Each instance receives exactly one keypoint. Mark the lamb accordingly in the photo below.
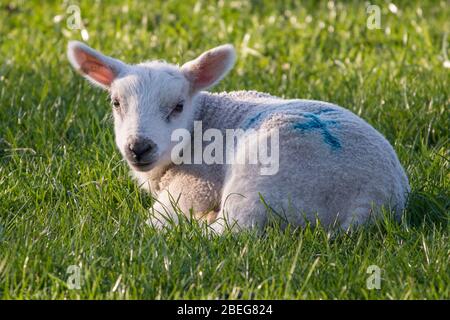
(332, 165)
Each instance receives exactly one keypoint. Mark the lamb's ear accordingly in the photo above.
(210, 67)
(94, 66)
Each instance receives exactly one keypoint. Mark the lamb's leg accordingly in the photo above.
(240, 209)
(163, 211)
(188, 194)
(239, 214)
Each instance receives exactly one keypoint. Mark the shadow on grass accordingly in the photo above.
(425, 209)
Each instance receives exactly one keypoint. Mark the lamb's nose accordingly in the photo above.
(138, 148)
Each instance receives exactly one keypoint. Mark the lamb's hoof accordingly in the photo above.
(217, 227)
(209, 217)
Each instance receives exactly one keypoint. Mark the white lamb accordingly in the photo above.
(332, 166)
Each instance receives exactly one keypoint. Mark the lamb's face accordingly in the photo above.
(149, 101)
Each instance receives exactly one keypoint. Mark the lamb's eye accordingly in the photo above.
(116, 103)
(176, 110)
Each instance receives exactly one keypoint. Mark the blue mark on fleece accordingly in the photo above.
(315, 123)
(250, 122)
(326, 110)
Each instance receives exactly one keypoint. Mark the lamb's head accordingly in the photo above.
(150, 100)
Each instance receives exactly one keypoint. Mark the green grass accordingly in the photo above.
(66, 197)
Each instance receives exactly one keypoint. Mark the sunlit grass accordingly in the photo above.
(66, 198)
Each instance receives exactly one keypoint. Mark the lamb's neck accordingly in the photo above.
(219, 111)
(150, 180)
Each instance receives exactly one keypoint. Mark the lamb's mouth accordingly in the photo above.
(142, 166)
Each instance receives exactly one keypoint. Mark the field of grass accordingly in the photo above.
(66, 198)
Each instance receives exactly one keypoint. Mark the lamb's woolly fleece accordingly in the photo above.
(333, 166)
